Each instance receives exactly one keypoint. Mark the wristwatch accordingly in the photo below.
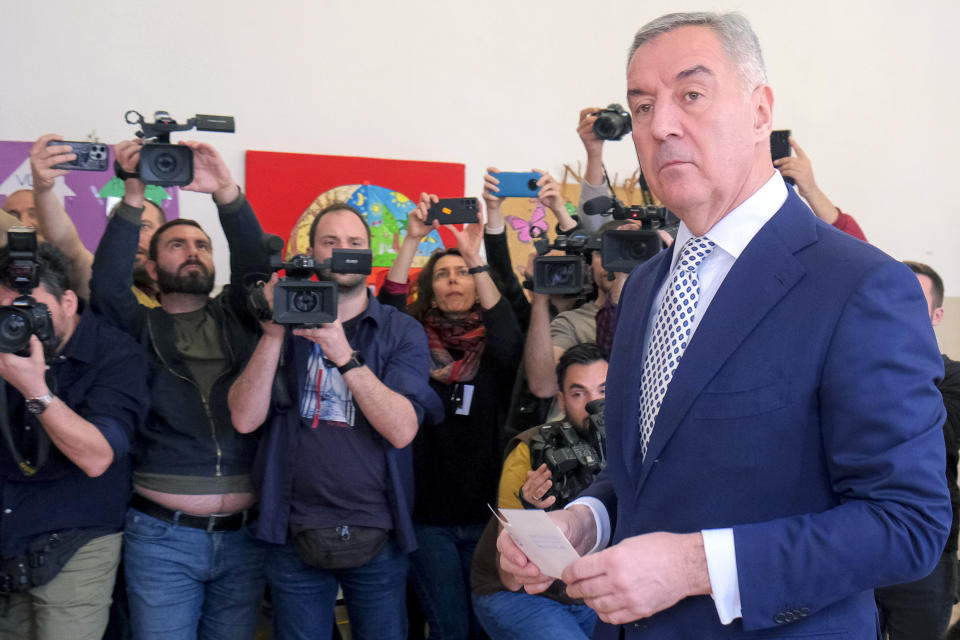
(356, 360)
(39, 404)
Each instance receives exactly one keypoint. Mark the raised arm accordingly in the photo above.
(539, 354)
(249, 396)
(111, 283)
(417, 230)
(54, 223)
(800, 169)
(552, 198)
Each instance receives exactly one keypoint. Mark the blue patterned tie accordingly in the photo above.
(671, 332)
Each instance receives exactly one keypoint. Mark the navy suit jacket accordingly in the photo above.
(805, 416)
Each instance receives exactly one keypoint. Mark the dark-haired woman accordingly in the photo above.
(475, 346)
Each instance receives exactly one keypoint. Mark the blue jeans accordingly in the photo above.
(304, 597)
(441, 576)
(507, 615)
(185, 583)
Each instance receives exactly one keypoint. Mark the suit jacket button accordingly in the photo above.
(805, 611)
(779, 618)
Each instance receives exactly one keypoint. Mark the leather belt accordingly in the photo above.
(229, 522)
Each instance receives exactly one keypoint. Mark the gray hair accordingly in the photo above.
(736, 36)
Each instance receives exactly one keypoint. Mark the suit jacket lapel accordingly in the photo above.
(761, 276)
(625, 368)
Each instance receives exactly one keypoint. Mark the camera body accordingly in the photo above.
(25, 316)
(165, 164)
(573, 460)
(300, 301)
(612, 123)
(564, 275)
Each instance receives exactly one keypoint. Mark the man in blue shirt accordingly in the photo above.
(335, 461)
(70, 410)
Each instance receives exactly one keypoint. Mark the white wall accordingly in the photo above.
(870, 88)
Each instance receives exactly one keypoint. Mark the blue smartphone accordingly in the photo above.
(517, 185)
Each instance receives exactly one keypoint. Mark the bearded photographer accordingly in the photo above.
(525, 482)
(192, 568)
(69, 410)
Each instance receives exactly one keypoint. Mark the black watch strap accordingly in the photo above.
(123, 175)
(479, 269)
(356, 360)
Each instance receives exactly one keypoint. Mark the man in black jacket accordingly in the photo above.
(921, 609)
(192, 568)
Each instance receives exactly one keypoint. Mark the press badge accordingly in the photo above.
(463, 398)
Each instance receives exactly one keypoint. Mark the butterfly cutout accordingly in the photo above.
(528, 230)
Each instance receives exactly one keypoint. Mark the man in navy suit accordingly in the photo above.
(773, 418)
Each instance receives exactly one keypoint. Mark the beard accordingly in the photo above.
(346, 282)
(194, 282)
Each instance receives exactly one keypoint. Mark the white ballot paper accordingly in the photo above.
(539, 538)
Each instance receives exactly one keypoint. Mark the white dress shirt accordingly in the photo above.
(731, 234)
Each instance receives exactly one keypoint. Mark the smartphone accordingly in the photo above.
(780, 147)
(91, 156)
(453, 211)
(517, 185)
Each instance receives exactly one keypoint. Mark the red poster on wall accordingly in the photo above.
(288, 189)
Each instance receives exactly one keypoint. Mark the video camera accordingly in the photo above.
(26, 316)
(621, 250)
(298, 300)
(573, 460)
(165, 164)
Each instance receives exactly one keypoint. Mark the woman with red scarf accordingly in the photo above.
(475, 347)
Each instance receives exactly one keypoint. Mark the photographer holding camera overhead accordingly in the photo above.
(191, 566)
(72, 393)
(335, 467)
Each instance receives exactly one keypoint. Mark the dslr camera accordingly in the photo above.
(25, 317)
(165, 164)
(298, 300)
(612, 123)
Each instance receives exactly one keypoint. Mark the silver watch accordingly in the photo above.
(39, 404)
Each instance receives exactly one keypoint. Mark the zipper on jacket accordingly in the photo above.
(203, 400)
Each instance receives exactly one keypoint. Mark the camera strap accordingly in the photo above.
(43, 440)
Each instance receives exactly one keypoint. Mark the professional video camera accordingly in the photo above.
(573, 460)
(165, 164)
(612, 123)
(297, 300)
(621, 250)
(26, 316)
(564, 275)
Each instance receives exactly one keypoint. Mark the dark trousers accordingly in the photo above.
(920, 610)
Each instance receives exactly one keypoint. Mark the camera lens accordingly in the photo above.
(165, 164)
(305, 301)
(14, 331)
(636, 250)
(562, 276)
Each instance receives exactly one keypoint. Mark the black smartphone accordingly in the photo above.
(91, 156)
(453, 211)
(780, 147)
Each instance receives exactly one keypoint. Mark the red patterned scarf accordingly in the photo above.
(467, 335)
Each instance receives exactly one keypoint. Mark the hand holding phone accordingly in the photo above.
(780, 148)
(91, 156)
(453, 211)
